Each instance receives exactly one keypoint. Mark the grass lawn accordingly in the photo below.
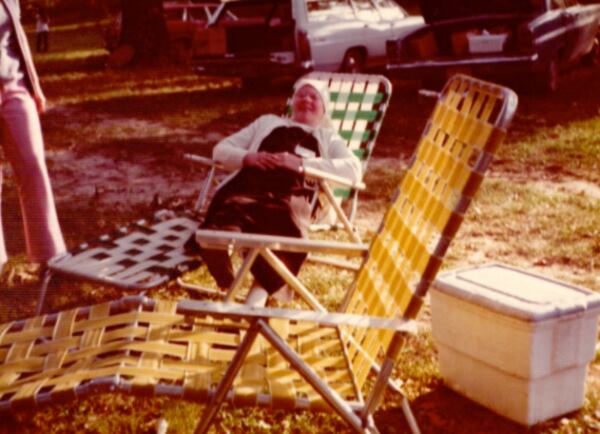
(115, 144)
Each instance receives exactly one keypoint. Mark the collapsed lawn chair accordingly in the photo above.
(149, 253)
(291, 359)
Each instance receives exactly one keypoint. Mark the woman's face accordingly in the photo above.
(307, 106)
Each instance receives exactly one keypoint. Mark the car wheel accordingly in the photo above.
(549, 78)
(354, 62)
(181, 52)
(593, 57)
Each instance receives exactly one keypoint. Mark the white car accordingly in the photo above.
(278, 37)
(350, 35)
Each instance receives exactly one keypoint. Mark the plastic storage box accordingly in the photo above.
(486, 43)
(515, 342)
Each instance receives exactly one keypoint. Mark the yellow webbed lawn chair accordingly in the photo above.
(292, 359)
(462, 117)
(149, 252)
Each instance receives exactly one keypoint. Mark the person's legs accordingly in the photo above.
(224, 214)
(277, 218)
(219, 265)
(46, 41)
(218, 261)
(24, 149)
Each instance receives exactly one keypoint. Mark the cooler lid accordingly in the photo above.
(516, 292)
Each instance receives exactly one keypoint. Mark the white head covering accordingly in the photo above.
(321, 88)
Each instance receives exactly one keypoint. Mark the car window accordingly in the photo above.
(258, 12)
(319, 10)
(365, 10)
(389, 10)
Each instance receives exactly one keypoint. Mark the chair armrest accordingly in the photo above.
(310, 172)
(203, 160)
(326, 176)
(241, 311)
(223, 239)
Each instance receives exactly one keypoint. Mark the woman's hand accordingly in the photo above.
(261, 160)
(267, 160)
(290, 162)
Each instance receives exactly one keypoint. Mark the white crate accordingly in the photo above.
(486, 43)
(513, 341)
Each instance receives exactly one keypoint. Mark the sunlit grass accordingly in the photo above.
(70, 55)
(529, 227)
(571, 149)
(113, 84)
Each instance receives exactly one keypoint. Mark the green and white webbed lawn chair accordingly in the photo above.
(210, 352)
(358, 106)
(149, 252)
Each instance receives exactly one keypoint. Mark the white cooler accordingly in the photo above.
(515, 342)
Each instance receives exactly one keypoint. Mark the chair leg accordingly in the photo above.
(346, 224)
(225, 384)
(382, 382)
(410, 417)
(333, 399)
(43, 289)
(371, 427)
(241, 274)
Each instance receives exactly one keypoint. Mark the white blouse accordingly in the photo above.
(335, 157)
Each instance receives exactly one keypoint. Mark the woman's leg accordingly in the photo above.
(279, 218)
(46, 40)
(24, 148)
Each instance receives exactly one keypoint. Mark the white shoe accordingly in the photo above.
(284, 295)
(257, 297)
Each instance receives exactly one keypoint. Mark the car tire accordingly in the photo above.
(593, 57)
(181, 52)
(354, 61)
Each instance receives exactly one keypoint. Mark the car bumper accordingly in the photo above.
(490, 67)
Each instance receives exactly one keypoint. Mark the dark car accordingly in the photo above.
(529, 40)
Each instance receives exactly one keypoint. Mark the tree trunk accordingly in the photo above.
(144, 30)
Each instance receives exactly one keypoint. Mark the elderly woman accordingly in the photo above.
(268, 193)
